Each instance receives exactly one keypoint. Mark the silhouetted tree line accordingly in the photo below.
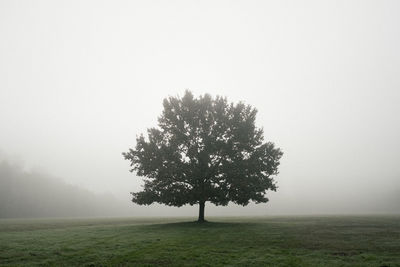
(35, 194)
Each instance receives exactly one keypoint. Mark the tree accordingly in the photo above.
(204, 149)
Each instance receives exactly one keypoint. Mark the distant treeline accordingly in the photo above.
(35, 194)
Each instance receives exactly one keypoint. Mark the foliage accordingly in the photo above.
(204, 149)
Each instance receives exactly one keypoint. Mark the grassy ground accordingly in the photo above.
(262, 241)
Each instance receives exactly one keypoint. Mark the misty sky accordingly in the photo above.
(80, 79)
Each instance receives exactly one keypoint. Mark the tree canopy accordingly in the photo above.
(204, 149)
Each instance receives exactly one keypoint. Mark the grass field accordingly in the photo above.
(244, 241)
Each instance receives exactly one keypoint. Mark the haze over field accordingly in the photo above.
(79, 80)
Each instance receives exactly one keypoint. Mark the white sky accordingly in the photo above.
(80, 79)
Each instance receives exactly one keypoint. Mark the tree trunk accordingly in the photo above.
(202, 205)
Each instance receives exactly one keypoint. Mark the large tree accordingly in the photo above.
(204, 149)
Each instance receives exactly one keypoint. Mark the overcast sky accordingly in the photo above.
(80, 79)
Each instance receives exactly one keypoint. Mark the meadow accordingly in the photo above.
(232, 241)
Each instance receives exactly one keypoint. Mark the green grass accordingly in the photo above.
(242, 241)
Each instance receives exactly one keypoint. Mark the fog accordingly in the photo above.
(36, 194)
(80, 79)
